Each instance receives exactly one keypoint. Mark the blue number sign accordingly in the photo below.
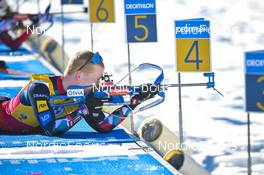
(141, 21)
(254, 81)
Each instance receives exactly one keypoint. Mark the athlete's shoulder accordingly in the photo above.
(44, 77)
(54, 82)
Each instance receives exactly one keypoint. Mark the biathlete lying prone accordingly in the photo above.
(31, 112)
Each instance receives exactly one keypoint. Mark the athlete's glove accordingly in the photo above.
(94, 105)
(148, 91)
(39, 19)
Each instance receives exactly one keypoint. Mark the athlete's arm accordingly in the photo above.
(104, 122)
(39, 95)
(65, 123)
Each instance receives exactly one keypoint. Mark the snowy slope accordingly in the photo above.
(214, 127)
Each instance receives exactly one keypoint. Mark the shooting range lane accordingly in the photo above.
(4, 50)
(79, 151)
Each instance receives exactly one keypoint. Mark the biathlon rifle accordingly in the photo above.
(16, 21)
(15, 17)
(114, 94)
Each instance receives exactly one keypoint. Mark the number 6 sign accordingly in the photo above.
(102, 11)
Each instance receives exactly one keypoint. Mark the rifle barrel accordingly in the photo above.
(185, 85)
(59, 13)
(162, 86)
(73, 12)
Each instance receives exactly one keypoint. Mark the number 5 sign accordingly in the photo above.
(102, 11)
(193, 45)
(141, 21)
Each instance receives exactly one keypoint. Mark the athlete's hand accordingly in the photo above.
(94, 104)
(34, 19)
(147, 91)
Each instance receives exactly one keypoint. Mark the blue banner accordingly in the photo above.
(140, 6)
(71, 2)
(254, 62)
(192, 28)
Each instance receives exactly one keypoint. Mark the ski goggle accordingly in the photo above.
(96, 59)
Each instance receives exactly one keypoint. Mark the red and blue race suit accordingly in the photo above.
(30, 111)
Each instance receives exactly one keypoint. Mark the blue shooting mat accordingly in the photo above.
(4, 50)
(4, 76)
(139, 164)
(30, 66)
(80, 134)
(71, 138)
(9, 91)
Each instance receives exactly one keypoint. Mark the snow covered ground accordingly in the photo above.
(215, 127)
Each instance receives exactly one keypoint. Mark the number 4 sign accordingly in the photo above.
(102, 11)
(193, 45)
